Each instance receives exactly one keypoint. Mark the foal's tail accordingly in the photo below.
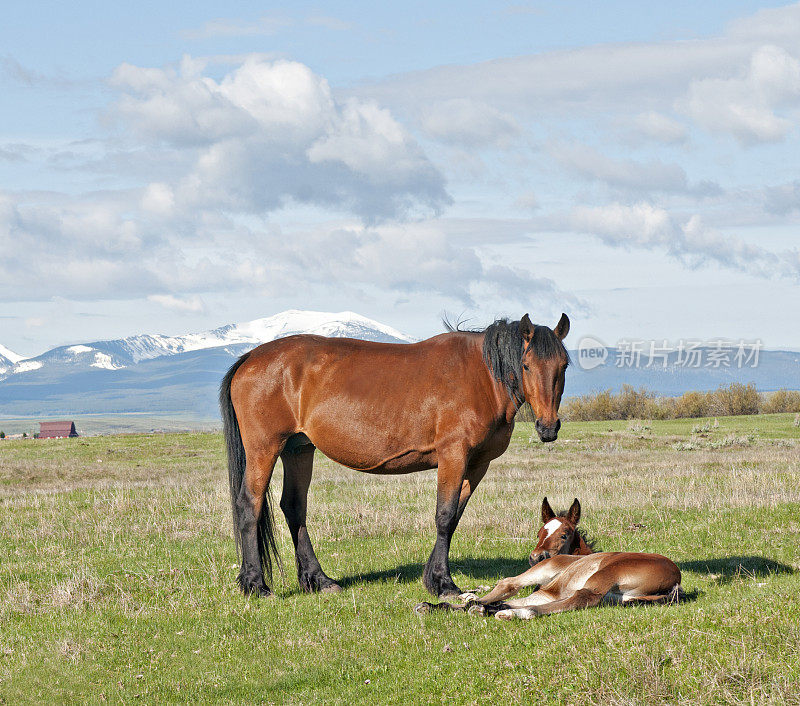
(237, 463)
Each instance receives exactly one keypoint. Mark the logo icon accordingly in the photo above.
(591, 353)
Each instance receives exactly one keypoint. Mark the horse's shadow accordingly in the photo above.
(476, 569)
(725, 569)
(484, 569)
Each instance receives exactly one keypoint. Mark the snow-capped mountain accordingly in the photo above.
(9, 355)
(124, 352)
(180, 375)
(7, 359)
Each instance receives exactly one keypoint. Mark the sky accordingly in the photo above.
(165, 168)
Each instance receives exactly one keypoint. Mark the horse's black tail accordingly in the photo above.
(237, 463)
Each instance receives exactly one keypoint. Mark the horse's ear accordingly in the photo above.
(547, 512)
(526, 329)
(574, 514)
(562, 327)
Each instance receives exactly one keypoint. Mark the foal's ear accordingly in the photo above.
(574, 514)
(562, 327)
(526, 328)
(547, 512)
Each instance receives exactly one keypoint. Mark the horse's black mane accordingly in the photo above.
(502, 350)
(580, 532)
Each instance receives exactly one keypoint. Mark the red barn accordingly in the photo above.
(56, 430)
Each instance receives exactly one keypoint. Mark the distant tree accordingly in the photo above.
(2, 434)
(24, 434)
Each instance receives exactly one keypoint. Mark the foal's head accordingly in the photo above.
(559, 534)
(544, 362)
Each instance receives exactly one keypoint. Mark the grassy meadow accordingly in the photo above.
(117, 575)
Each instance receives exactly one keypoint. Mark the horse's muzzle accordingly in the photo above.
(548, 433)
(534, 559)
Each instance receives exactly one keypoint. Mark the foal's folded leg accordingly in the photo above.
(539, 575)
(584, 598)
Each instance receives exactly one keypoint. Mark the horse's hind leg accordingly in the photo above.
(297, 468)
(255, 519)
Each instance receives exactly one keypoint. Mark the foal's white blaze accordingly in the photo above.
(552, 526)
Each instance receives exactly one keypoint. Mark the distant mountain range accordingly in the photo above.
(160, 374)
(156, 373)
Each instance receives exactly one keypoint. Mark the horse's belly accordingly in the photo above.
(370, 460)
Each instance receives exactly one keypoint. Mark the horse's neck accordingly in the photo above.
(505, 406)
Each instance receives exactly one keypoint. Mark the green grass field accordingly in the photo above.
(117, 570)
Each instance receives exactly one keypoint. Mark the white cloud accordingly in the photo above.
(188, 305)
(687, 239)
(709, 79)
(660, 127)
(746, 105)
(469, 123)
(103, 254)
(652, 176)
(782, 199)
(271, 132)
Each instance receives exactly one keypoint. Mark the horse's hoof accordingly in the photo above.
(332, 587)
(451, 594)
(476, 609)
(254, 587)
(258, 592)
(505, 615)
(423, 608)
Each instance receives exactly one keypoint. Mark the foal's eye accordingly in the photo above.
(525, 365)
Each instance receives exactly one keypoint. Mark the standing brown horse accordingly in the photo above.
(446, 402)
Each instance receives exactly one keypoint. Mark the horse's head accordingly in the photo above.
(559, 534)
(544, 362)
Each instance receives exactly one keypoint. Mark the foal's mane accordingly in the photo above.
(579, 531)
(502, 350)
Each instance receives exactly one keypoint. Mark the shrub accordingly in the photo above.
(587, 408)
(781, 401)
(635, 404)
(735, 399)
(691, 404)
(630, 403)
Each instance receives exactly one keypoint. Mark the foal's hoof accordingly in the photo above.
(505, 615)
(467, 597)
(423, 608)
(476, 609)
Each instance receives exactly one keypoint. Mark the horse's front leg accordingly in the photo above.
(451, 479)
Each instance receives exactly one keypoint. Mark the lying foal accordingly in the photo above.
(571, 576)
